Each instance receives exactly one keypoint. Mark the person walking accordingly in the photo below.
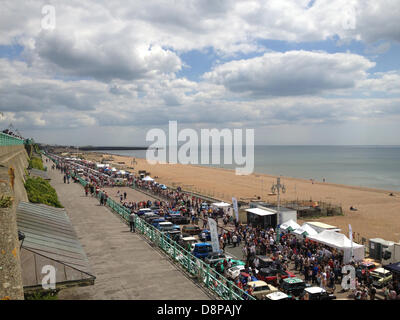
(132, 221)
(65, 178)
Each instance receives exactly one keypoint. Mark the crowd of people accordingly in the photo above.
(317, 264)
(10, 133)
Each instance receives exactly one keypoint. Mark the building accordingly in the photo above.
(285, 214)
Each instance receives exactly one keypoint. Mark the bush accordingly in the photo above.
(36, 163)
(40, 191)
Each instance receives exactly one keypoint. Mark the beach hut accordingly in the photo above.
(289, 226)
(339, 241)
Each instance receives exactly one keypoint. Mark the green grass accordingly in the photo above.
(41, 296)
(5, 201)
(40, 191)
(36, 163)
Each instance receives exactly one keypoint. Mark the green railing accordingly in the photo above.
(7, 140)
(199, 270)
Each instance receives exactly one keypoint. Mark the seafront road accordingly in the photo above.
(125, 265)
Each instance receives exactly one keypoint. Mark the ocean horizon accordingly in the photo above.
(372, 166)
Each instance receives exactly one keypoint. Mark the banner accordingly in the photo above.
(351, 239)
(235, 208)
(214, 234)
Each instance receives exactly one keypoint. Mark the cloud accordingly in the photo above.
(291, 73)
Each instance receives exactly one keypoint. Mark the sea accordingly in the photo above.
(366, 166)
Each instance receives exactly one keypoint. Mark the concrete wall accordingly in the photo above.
(10, 264)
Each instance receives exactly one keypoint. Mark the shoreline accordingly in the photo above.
(256, 174)
(377, 215)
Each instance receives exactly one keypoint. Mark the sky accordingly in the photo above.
(298, 72)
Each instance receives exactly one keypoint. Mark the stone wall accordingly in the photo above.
(14, 157)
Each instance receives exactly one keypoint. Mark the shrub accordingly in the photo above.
(36, 163)
(40, 191)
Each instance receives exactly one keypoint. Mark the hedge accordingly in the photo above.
(36, 163)
(40, 191)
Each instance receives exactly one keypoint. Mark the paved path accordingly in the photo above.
(125, 266)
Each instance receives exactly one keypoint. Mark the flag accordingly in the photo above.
(235, 208)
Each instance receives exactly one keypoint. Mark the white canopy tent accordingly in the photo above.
(306, 230)
(147, 178)
(289, 225)
(341, 242)
(221, 204)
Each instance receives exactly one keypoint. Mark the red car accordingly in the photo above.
(364, 266)
(270, 275)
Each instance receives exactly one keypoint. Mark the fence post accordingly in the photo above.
(208, 276)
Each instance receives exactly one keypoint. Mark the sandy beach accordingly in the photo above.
(378, 214)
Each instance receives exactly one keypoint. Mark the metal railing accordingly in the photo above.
(7, 140)
(202, 272)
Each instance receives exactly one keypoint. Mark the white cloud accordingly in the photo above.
(291, 73)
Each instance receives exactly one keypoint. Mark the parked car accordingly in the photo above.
(177, 219)
(365, 266)
(293, 286)
(234, 263)
(269, 275)
(175, 235)
(164, 226)
(155, 222)
(142, 211)
(381, 277)
(190, 229)
(275, 296)
(261, 289)
(234, 272)
(318, 293)
(265, 261)
(187, 242)
(202, 250)
(216, 256)
(148, 217)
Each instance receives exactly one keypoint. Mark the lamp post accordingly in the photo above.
(278, 187)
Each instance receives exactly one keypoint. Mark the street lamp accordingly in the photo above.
(278, 187)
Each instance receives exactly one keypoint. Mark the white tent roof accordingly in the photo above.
(260, 212)
(305, 228)
(121, 172)
(221, 204)
(148, 178)
(340, 241)
(336, 239)
(289, 223)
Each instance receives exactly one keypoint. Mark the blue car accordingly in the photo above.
(202, 250)
(155, 222)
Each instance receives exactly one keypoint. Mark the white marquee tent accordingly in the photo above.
(289, 225)
(221, 204)
(306, 230)
(341, 242)
(147, 178)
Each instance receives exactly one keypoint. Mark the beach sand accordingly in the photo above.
(378, 214)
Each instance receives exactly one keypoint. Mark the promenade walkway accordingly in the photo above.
(125, 266)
